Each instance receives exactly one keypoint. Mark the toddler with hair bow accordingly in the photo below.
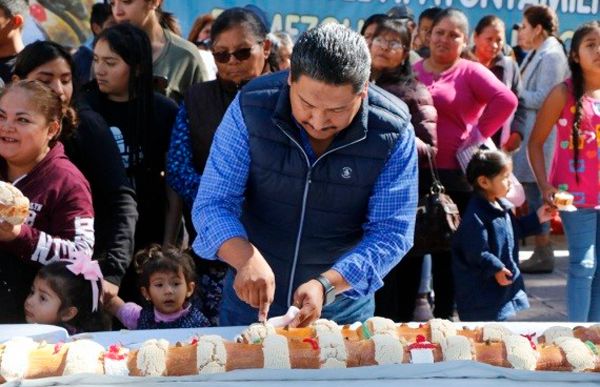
(67, 293)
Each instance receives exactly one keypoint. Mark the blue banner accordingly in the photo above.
(295, 16)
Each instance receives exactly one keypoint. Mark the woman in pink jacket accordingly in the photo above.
(467, 97)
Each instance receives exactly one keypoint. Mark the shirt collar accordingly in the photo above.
(170, 317)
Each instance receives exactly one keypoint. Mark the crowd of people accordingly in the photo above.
(219, 180)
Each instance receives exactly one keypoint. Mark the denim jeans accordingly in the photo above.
(343, 311)
(534, 201)
(582, 228)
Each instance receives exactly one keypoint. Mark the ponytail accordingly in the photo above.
(69, 123)
(168, 21)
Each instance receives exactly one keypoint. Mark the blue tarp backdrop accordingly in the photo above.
(295, 16)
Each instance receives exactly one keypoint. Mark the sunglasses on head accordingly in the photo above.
(241, 54)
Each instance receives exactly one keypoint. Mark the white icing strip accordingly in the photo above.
(117, 367)
(519, 353)
(457, 348)
(553, 333)
(388, 349)
(152, 357)
(579, 355)
(15, 359)
(380, 325)
(256, 333)
(333, 350)
(323, 325)
(495, 332)
(82, 357)
(276, 352)
(441, 329)
(211, 355)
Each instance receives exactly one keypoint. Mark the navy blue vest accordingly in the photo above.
(302, 218)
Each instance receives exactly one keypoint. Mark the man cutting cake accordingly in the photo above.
(310, 189)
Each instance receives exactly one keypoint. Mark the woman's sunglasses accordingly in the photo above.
(241, 54)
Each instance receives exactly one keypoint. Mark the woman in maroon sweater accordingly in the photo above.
(61, 216)
(391, 70)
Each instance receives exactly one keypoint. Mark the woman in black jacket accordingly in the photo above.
(91, 147)
(391, 70)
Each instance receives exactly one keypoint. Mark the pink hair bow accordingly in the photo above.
(90, 270)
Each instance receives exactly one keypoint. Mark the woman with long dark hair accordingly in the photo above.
(139, 118)
(176, 62)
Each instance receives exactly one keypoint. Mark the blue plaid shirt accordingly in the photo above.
(388, 232)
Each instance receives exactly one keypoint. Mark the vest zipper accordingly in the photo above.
(303, 208)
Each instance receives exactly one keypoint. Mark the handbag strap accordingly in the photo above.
(436, 183)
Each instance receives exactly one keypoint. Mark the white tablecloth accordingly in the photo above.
(445, 374)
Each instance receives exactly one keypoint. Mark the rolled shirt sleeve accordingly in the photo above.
(389, 230)
(218, 204)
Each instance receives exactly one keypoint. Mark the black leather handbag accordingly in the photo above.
(437, 218)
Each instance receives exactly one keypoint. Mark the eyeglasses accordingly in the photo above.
(241, 54)
(392, 45)
(203, 43)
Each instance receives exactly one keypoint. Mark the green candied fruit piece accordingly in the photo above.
(366, 331)
(592, 346)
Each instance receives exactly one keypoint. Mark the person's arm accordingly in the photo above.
(173, 213)
(73, 217)
(389, 230)
(182, 176)
(424, 120)
(475, 247)
(102, 166)
(547, 116)
(552, 69)
(516, 126)
(388, 235)
(218, 207)
(498, 100)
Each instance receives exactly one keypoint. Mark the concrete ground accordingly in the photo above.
(547, 292)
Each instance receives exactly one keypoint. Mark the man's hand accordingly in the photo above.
(503, 277)
(255, 284)
(9, 232)
(309, 298)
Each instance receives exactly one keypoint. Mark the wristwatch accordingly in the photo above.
(328, 290)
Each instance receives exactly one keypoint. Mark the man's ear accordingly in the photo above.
(290, 78)
(15, 78)
(18, 21)
(365, 91)
(69, 314)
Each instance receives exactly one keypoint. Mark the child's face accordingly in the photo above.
(588, 53)
(498, 186)
(43, 304)
(168, 291)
